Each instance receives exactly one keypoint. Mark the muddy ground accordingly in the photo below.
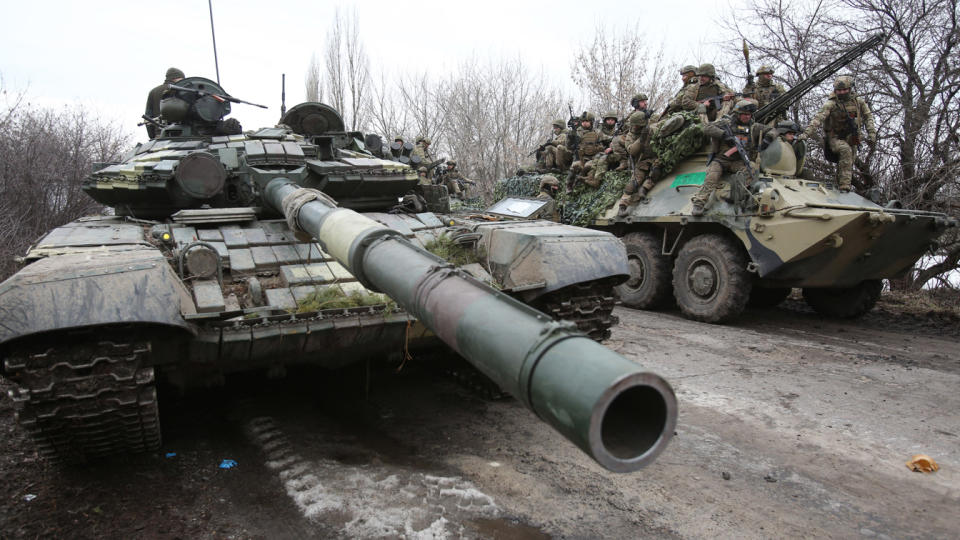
(790, 426)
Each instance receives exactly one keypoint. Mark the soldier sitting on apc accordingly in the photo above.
(725, 156)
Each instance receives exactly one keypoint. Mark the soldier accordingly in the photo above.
(549, 186)
(706, 96)
(615, 155)
(152, 109)
(842, 117)
(765, 90)
(677, 104)
(455, 182)
(590, 146)
(608, 130)
(549, 153)
(422, 151)
(726, 158)
(637, 145)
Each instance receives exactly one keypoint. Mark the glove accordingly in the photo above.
(803, 137)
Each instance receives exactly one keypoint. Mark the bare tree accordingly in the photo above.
(312, 80)
(615, 66)
(348, 69)
(44, 156)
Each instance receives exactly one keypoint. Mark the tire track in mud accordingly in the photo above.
(373, 499)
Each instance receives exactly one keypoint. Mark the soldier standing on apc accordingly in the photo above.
(842, 117)
(152, 109)
(765, 90)
(726, 158)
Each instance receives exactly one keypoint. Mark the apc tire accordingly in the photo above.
(710, 279)
(768, 297)
(845, 302)
(650, 284)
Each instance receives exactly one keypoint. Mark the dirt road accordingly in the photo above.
(790, 426)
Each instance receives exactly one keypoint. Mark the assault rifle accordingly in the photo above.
(718, 100)
(740, 149)
(540, 148)
(573, 144)
(783, 102)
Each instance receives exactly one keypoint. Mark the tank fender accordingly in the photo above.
(549, 257)
(92, 288)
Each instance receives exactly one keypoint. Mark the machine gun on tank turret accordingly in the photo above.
(780, 105)
(218, 97)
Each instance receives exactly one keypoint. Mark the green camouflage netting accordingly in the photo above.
(471, 204)
(527, 185)
(586, 203)
(675, 148)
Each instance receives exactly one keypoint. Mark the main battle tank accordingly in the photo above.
(208, 267)
(765, 234)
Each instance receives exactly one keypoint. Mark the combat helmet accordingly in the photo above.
(688, 68)
(587, 115)
(764, 69)
(706, 69)
(451, 163)
(424, 140)
(559, 124)
(547, 181)
(745, 106)
(611, 114)
(788, 126)
(843, 82)
(635, 100)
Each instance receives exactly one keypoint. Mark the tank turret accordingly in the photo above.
(201, 272)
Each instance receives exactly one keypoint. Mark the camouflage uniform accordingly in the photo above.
(549, 155)
(152, 110)
(452, 179)
(604, 160)
(765, 90)
(842, 117)
(590, 146)
(637, 143)
(422, 151)
(678, 104)
(726, 158)
(549, 185)
(694, 95)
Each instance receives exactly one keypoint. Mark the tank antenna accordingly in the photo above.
(216, 64)
(283, 95)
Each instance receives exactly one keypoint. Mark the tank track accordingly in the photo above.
(85, 399)
(589, 305)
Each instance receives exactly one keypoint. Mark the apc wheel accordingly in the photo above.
(846, 302)
(768, 297)
(710, 279)
(649, 283)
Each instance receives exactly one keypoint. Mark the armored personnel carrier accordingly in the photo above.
(766, 233)
(231, 251)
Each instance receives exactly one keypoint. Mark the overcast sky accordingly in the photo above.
(108, 54)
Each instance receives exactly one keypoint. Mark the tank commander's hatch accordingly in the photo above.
(523, 208)
(309, 119)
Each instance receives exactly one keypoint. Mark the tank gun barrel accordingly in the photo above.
(788, 98)
(619, 415)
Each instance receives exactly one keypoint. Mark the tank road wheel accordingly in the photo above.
(768, 297)
(649, 283)
(710, 279)
(845, 302)
(85, 399)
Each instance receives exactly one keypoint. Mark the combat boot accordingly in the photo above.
(697, 209)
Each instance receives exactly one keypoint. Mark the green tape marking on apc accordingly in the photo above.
(690, 179)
